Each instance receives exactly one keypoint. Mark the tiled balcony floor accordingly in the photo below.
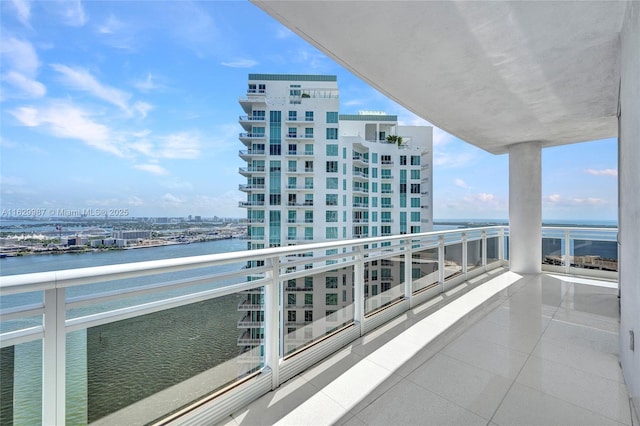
(541, 352)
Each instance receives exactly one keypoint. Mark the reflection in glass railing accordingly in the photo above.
(424, 269)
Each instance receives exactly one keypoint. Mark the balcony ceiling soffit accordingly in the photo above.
(490, 73)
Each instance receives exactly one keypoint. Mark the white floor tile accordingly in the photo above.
(409, 404)
(489, 356)
(472, 388)
(526, 406)
(608, 398)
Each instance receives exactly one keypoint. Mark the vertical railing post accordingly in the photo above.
(358, 287)
(272, 337)
(464, 255)
(501, 244)
(567, 251)
(408, 278)
(53, 358)
(441, 262)
(483, 248)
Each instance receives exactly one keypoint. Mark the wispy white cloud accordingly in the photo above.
(23, 11)
(461, 183)
(152, 168)
(20, 56)
(171, 200)
(282, 32)
(178, 183)
(240, 63)
(482, 197)
(450, 159)
(110, 26)
(142, 108)
(66, 121)
(81, 79)
(354, 102)
(602, 172)
(72, 12)
(21, 63)
(559, 200)
(147, 85)
(183, 145)
(27, 87)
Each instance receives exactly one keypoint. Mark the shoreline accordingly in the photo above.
(84, 250)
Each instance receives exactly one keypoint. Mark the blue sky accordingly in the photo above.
(134, 105)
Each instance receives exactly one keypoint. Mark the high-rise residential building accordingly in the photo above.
(314, 174)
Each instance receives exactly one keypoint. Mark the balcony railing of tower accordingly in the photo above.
(84, 318)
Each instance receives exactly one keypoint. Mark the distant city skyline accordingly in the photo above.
(134, 105)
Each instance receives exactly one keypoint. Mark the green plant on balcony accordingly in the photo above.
(394, 139)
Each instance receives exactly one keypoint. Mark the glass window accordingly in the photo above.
(331, 282)
(293, 115)
(332, 232)
(415, 160)
(332, 133)
(332, 150)
(308, 299)
(291, 299)
(331, 216)
(415, 174)
(308, 132)
(332, 299)
(308, 115)
(415, 216)
(291, 316)
(332, 117)
(415, 188)
(332, 183)
(292, 132)
(415, 202)
(332, 167)
(332, 199)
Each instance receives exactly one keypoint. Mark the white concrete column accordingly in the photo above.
(525, 208)
(629, 202)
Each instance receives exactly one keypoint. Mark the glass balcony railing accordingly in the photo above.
(577, 250)
(136, 343)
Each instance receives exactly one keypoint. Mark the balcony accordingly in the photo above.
(248, 171)
(250, 203)
(251, 187)
(248, 153)
(248, 136)
(464, 340)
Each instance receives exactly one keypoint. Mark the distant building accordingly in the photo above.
(313, 174)
(132, 235)
(108, 242)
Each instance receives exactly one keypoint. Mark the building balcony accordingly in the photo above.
(248, 121)
(249, 188)
(300, 153)
(300, 188)
(248, 136)
(250, 203)
(300, 204)
(248, 171)
(248, 153)
(465, 341)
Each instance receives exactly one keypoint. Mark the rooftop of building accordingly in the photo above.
(292, 77)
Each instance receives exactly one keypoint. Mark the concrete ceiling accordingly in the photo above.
(489, 72)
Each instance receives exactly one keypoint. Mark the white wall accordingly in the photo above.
(629, 200)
